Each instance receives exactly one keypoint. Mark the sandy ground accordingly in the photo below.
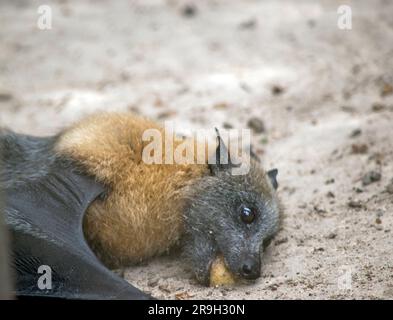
(325, 96)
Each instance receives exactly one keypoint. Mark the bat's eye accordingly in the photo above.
(247, 214)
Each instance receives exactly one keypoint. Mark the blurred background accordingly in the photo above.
(317, 97)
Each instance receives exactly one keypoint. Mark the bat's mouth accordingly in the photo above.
(247, 270)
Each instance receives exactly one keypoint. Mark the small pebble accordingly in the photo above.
(281, 241)
(371, 177)
(166, 114)
(227, 125)
(358, 190)
(356, 133)
(189, 11)
(5, 96)
(256, 124)
(332, 235)
(277, 90)
(355, 204)
(248, 24)
(360, 148)
(329, 181)
(376, 107)
(152, 282)
(164, 288)
(330, 194)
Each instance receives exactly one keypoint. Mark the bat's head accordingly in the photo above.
(232, 215)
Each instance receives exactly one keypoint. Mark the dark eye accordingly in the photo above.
(247, 214)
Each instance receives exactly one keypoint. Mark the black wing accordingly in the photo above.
(45, 217)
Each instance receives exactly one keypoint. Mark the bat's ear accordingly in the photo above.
(272, 174)
(221, 160)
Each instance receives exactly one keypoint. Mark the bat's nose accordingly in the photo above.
(251, 269)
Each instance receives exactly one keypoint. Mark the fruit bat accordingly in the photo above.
(91, 181)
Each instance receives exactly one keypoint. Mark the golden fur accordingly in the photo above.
(142, 214)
